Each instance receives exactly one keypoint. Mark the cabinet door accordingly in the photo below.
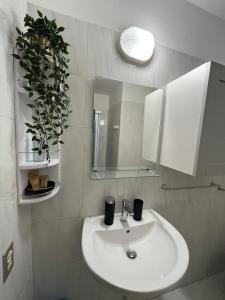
(184, 110)
(152, 125)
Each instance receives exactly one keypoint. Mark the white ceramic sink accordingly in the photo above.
(162, 254)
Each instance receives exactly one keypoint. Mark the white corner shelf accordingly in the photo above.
(38, 199)
(24, 145)
(38, 165)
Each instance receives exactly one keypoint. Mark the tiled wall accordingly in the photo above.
(15, 222)
(58, 267)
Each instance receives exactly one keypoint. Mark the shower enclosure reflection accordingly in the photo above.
(127, 129)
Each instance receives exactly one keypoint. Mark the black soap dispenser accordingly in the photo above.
(138, 208)
(109, 210)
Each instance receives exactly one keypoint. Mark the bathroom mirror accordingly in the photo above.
(127, 122)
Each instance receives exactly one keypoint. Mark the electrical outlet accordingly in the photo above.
(8, 262)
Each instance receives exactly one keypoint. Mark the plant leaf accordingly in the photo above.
(17, 29)
(30, 105)
(40, 14)
(29, 125)
(16, 56)
(61, 29)
(27, 88)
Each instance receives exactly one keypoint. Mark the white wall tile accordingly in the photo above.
(157, 71)
(27, 292)
(47, 210)
(57, 281)
(182, 63)
(52, 241)
(7, 160)
(76, 35)
(89, 103)
(15, 222)
(120, 68)
(57, 224)
(72, 172)
(77, 93)
(93, 199)
(100, 44)
(90, 288)
(32, 9)
(6, 74)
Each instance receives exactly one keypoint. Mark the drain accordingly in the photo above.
(132, 254)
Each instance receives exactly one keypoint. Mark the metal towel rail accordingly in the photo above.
(212, 184)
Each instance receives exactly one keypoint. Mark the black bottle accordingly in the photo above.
(109, 210)
(138, 208)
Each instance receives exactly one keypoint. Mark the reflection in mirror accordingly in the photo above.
(127, 129)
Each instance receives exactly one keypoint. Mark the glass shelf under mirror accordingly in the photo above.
(97, 175)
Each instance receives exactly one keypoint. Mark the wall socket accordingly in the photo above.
(7, 262)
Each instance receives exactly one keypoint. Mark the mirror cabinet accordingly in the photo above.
(181, 126)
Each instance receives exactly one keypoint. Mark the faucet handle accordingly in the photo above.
(125, 210)
(126, 205)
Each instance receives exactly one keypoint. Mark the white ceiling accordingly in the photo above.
(216, 7)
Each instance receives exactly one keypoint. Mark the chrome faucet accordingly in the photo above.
(125, 211)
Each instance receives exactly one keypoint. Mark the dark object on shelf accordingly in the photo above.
(30, 192)
(109, 210)
(138, 208)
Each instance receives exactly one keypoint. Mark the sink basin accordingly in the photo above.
(141, 257)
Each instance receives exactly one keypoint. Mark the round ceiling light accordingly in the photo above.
(137, 44)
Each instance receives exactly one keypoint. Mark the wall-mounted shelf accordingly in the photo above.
(29, 165)
(38, 199)
(24, 146)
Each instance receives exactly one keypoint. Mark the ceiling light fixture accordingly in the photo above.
(137, 44)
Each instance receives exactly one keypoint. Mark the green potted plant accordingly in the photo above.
(42, 54)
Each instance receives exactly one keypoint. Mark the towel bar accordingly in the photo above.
(212, 184)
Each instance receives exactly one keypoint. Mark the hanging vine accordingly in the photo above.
(43, 55)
